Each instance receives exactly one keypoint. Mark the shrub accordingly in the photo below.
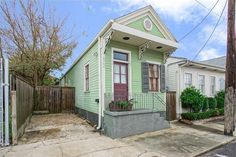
(212, 103)
(220, 99)
(192, 98)
(202, 115)
(205, 105)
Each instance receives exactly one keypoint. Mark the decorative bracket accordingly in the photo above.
(108, 37)
(167, 55)
(142, 49)
(105, 41)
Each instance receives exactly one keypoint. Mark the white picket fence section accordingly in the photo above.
(4, 102)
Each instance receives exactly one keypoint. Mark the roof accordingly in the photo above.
(201, 64)
(109, 24)
(219, 62)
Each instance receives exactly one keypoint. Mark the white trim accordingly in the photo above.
(120, 61)
(141, 34)
(129, 69)
(210, 76)
(85, 78)
(153, 62)
(200, 74)
(191, 79)
(150, 11)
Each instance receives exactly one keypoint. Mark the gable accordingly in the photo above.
(137, 19)
(139, 25)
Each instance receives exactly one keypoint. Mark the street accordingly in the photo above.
(228, 150)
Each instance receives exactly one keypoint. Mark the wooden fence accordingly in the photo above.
(25, 98)
(22, 100)
(54, 99)
(171, 105)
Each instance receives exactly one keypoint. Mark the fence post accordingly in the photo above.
(6, 100)
(14, 116)
(1, 104)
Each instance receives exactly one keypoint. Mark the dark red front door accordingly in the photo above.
(120, 81)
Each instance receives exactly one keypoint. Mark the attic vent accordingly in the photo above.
(147, 23)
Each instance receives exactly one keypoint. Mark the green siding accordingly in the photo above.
(138, 24)
(149, 55)
(75, 77)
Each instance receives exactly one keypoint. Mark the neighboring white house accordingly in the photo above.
(208, 76)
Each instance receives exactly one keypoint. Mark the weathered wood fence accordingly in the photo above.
(54, 99)
(25, 99)
(22, 100)
(171, 105)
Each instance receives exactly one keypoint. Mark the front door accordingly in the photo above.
(120, 81)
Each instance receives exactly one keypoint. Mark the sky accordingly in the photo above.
(85, 18)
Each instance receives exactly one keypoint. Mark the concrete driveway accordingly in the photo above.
(67, 135)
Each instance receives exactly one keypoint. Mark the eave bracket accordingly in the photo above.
(142, 49)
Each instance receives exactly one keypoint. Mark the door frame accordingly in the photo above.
(129, 69)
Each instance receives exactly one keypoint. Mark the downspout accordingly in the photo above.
(101, 46)
(99, 84)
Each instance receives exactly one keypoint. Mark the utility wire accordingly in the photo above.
(183, 37)
(200, 50)
(207, 8)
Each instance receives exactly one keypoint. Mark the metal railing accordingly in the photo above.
(140, 101)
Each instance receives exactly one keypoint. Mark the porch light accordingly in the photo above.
(126, 38)
(159, 47)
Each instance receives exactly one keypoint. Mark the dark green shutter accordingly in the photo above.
(162, 78)
(145, 78)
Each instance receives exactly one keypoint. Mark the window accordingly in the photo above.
(212, 85)
(201, 83)
(86, 72)
(187, 80)
(120, 73)
(120, 56)
(153, 72)
(222, 84)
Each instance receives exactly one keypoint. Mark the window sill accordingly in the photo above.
(153, 91)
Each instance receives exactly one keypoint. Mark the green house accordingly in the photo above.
(122, 70)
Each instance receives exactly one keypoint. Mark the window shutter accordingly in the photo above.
(162, 78)
(145, 78)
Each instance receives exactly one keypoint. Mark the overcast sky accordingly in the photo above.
(87, 17)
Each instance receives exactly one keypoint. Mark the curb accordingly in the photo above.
(217, 146)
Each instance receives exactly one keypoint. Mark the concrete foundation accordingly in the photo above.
(90, 116)
(123, 124)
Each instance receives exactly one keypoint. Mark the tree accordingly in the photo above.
(36, 43)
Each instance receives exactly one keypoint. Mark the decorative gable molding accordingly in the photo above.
(150, 13)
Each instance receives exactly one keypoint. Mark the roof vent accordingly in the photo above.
(147, 23)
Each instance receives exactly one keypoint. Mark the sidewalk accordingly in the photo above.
(178, 141)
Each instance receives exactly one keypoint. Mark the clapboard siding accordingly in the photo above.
(75, 78)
